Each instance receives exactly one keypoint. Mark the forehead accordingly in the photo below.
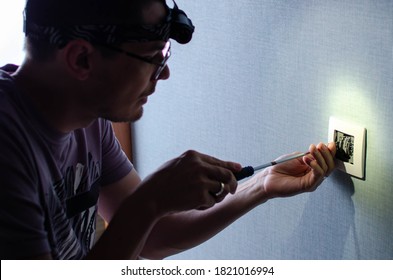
(153, 12)
(145, 47)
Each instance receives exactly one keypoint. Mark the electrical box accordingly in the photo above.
(350, 139)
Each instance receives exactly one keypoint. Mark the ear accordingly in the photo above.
(77, 56)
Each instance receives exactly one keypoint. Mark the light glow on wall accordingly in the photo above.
(353, 99)
(349, 98)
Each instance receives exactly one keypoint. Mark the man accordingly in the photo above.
(89, 62)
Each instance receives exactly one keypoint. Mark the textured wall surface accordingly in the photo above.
(262, 78)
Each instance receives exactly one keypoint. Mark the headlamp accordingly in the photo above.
(181, 26)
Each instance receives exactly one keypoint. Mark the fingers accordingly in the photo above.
(321, 158)
(223, 177)
(215, 170)
(232, 166)
(332, 148)
(215, 177)
(214, 191)
(221, 193)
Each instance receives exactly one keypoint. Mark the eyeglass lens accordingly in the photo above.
(166, 53)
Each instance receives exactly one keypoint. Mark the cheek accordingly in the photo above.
(123, 83)
(130, 92)
(132, 80)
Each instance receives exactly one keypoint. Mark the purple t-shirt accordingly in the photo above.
(50, 181)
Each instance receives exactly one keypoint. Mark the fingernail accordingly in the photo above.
(308, 160)
(237, 166)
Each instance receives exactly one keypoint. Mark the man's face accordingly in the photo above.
(126, 82)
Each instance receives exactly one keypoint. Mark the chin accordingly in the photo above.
(138, 116)
(131, 116)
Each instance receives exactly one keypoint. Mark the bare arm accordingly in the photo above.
(120, 205)
(156, 218)
(179, 232)
(182, 231)
(133, 207)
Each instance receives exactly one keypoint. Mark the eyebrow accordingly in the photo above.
(158, 46)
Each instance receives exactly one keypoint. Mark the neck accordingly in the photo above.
(56, 100)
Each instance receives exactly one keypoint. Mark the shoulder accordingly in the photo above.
(12, 114)
(6, 86)
(6, 80)
(10, 111)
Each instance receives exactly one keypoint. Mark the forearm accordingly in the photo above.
(128, 230)
(182, 231)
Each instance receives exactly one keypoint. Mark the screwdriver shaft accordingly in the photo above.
(280, 161)
(249, 170)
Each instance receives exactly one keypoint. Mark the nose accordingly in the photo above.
(165, 74)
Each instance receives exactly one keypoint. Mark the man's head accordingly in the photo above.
(77, 33)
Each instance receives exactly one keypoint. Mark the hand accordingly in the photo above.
(299, 175)
(191, 182)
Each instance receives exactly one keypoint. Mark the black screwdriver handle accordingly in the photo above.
(244, 173)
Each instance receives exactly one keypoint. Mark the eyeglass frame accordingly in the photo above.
(161, 65)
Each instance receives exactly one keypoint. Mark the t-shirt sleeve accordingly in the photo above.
(115, 164)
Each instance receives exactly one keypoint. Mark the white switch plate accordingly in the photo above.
(350, 141)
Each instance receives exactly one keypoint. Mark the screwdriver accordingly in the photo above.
(249, 170)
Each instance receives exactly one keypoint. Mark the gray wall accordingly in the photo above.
(260, 79)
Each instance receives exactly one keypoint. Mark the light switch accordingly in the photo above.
(350, 139)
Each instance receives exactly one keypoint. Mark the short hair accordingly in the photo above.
(42, 51)
(106, 21)
(101, 22)
(38, 49)
(51, 24)
(85, 12)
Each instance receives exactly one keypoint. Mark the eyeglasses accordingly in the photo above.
(160, 59)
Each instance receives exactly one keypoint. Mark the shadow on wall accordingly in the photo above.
(325, 237)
